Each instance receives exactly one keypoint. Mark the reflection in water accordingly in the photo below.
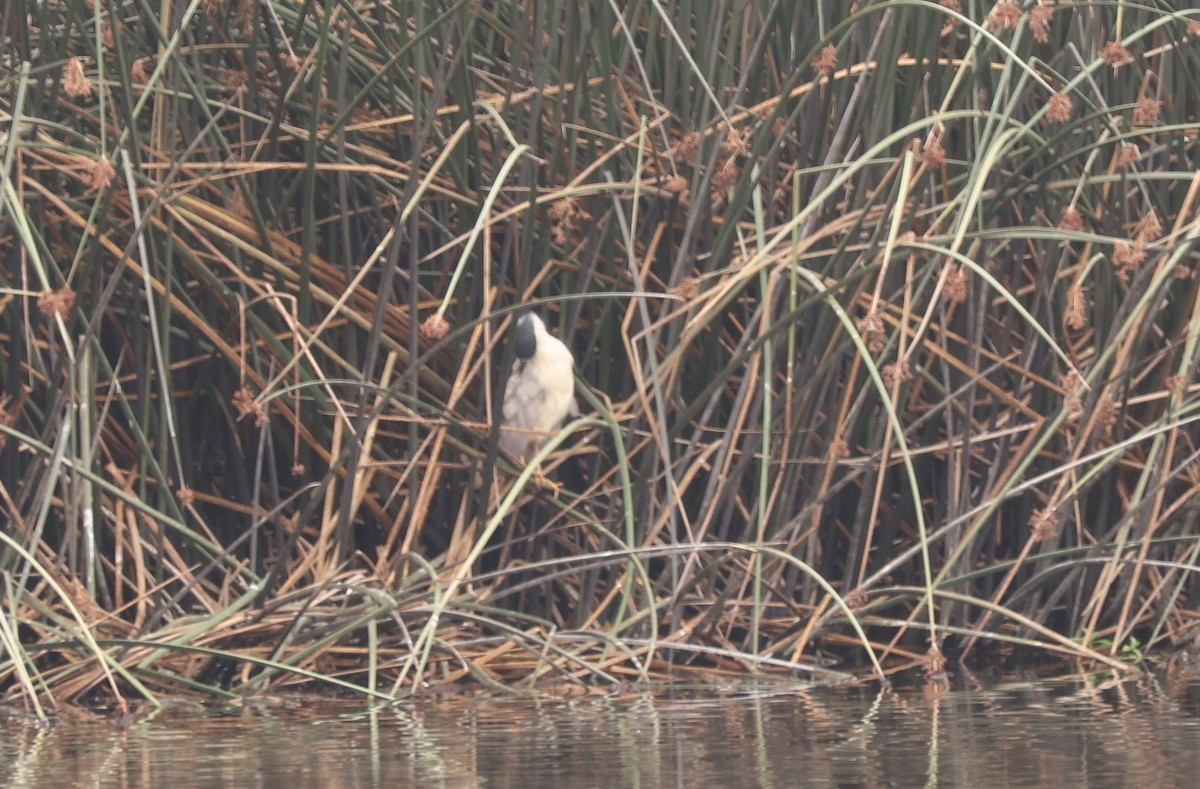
(1016, 733)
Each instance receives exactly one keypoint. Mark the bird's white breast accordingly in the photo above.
(539, 395)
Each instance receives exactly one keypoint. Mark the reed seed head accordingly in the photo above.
(676, 184)
(1071, 219)
(1148, 228)
(75, 82)
(689, 147)
(826, 61)
(57, 303)
(1039, 22)
(1127, 257)
(1042, 523)
(871, 329)
(1076, 317)
(435, 327)
(737, 142)
(933, 154)
(857, 598)
(1106, 414)
(245, 405)
(955, 291)
(1145, 112)
(1115, 54)
(687, 289)
(950, 22)
(1127, 155)
(726, 176)
(100, 173)
(1059, 108)
(1005, 15)
(934, 663)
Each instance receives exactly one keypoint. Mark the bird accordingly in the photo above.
(540, 392)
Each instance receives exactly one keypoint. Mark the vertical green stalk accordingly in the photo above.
(768, 375)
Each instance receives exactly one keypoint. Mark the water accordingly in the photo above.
(1094, 732)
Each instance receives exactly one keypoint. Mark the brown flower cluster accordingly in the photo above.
(934, 663)
(1115, 54)
(677, 184)
(1106, 414)
(1127, 155)
(826, 61)
(726, 170)
(1005, 15)
(737, 142)
(245, 15)
(1042, 524)
(566, 216)
(950, 22)
(1039, 22)
(871, 329)
(857, 597)
(1071, 219)
(435, 327)
(100, 173)
(1145, 112)
(244, 403)
(689, 147)
(1076, 317)
(75, 82)
(1148, 228)
(235, 79)
(237, 203)
(933, 154)
(1059, 109)
(1127, 257)
(687, 289)
(896, 373)
(57, 303)
(955, 291)
(726, 175)
(1070, 385)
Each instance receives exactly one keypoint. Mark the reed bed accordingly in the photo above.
(885, 317)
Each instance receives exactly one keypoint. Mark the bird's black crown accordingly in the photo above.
(526, 343)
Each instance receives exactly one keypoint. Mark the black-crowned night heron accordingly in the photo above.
(540, 393)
